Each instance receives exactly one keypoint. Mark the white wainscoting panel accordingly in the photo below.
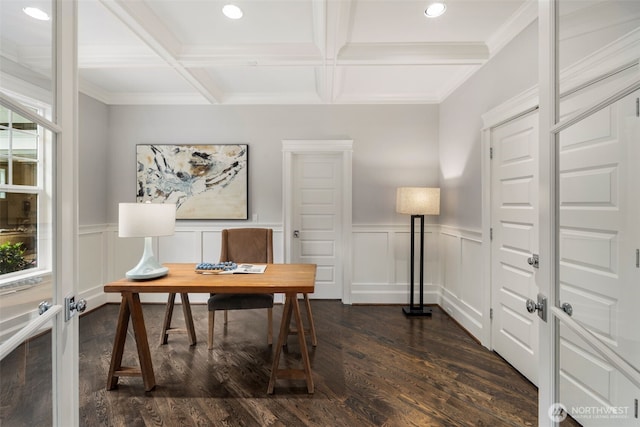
(93, 269)
(211, 246)
(183, 246)
(450, 254)
(463, 287)
(381, 257)
(471, 277)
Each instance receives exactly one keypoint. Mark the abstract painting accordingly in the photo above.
(204, 181)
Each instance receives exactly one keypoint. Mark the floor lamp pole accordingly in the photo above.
(419, 310)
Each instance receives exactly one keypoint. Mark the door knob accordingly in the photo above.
(43, 307)
(532, 306)
(540, 306)
(72, 307)
(566, 307)
(296, 233)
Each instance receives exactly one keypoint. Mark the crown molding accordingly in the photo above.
(520, 20)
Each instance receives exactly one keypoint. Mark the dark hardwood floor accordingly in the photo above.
(372, 367)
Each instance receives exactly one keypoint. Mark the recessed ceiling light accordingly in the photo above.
(36, 13)
(232, 11)
(435, 9)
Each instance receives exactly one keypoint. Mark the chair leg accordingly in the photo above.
(270, 326)
(312, 326)
(226, 318)
(212, 318)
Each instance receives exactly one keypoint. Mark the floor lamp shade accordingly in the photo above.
(146, 220)
(417, 202)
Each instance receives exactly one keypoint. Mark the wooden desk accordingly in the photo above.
(289, 279)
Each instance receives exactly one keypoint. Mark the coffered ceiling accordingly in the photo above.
(280, 52)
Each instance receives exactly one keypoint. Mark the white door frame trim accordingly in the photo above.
(345, 149)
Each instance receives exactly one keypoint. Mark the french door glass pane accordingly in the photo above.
(598, 241)
(26, 386)
(26, 51)
(588, 32)
(25, 270)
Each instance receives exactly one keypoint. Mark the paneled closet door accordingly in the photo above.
(514, 221)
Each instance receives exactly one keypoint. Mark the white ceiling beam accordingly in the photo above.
(251, 55)
(101, 56)
(294, 54)
(413, 54)
(138, 17)
(319, 25)
(339, 24)
(319, 28)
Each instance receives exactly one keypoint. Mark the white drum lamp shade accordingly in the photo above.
(418, 201)
(146, 220)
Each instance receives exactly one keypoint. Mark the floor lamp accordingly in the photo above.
(417, 202)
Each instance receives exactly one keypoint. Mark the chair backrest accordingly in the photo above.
(247, 245)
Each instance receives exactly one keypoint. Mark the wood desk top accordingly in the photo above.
(278, 278)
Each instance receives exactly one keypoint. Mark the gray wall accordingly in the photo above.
(93, 141)
(510, 72)
(394, 145)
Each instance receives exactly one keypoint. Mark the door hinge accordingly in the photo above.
(491, 313)
(491, 152)
(636, 408)
(637, 258)
(637, 107)
(491, 234)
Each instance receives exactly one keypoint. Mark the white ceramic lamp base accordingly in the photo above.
(148, 267)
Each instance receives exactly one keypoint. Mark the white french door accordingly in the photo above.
(54, 200)
(598, 278)
(590, 345)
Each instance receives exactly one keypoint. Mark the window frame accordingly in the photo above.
(45, 134)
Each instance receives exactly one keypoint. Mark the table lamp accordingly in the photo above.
(417, 202)
(146, 220)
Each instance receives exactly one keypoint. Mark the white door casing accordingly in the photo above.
(514, 224)
(317, 204)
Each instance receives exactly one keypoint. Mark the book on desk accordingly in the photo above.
(247, 269)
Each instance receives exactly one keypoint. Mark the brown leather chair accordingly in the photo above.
(244, 245)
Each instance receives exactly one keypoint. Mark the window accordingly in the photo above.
(22, 197)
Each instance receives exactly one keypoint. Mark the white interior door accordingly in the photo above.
(514, 223)
(317, 219)
(599, 271)
(317, 198)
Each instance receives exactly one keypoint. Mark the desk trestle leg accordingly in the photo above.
(130, 308)
(291, 307)
(188, 318)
